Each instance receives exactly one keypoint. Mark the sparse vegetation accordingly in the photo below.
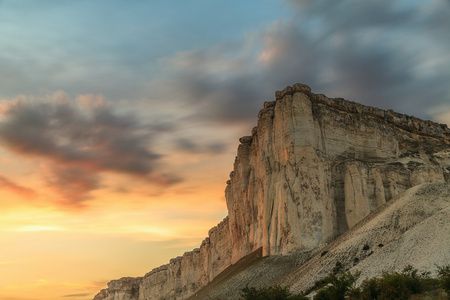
(389, 286)
(408, 284)
(337, 268)
(339, 287)
(444, 278)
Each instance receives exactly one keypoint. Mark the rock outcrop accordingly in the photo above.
(126, 288)
(312, 169)
(184, 275)
(411, 229)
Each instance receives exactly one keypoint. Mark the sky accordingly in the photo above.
(120, 120)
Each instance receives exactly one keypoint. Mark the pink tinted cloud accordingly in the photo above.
(5, 183)
(80, 140)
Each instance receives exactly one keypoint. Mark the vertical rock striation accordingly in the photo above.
(312, 168)
(126, 288)
(315, 167)
(184, 275)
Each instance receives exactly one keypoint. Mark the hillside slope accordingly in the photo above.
(412, 229)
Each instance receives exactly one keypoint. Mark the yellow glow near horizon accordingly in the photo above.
(51, 249)
(31, 228)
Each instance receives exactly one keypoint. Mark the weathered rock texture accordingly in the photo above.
(126, 288)
(312, 168)
(411, 229)
(184, 275)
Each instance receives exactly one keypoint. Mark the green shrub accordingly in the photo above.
(338, 268)
(393, 286)
(338, 287)
(444, 278)
(317, 285)
(252, 293)
(396, 285)
(370, 289)
(414, 280)
(322, 294)
(390, 286)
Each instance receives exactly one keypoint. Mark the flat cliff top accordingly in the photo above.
(405, 122)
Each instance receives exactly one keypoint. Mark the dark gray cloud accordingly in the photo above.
(79, 144)
(216, 85)
(101, 140)
(389, 54)
(190, 146)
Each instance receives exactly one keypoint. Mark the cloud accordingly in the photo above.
(5, 183)
(218, 85)
(81, 139)
(381, 53)
(390, 54)
(190, 146)
(73, 183)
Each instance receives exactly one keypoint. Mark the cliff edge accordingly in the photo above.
(312, 169)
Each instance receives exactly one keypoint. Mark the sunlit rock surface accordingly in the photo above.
(412, 229)
(312, 168)
(126, 288)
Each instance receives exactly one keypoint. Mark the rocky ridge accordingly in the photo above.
(312, 169)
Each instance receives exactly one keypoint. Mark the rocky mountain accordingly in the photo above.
(312, 171)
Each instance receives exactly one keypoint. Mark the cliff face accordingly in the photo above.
(312, 168)
(411, 229)
(126, 288)
(184, 275)
(316, 166)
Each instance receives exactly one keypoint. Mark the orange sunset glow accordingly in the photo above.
(120, 120)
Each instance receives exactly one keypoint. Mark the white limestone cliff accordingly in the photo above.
(412, 229)
(184, 275)
(126, 288)
(312, 168)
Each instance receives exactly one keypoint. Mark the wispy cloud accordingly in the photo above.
(389, 54)
(190, 146)
(5, 183)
